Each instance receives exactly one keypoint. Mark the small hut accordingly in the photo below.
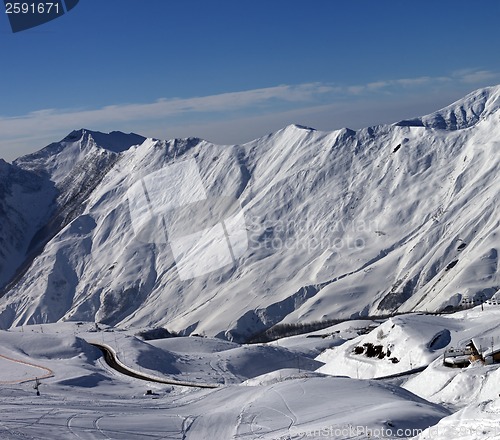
(486, 349)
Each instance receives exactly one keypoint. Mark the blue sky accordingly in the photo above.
(231, 71)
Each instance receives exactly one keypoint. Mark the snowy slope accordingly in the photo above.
(472, 392)
(83, 398)
(413, 341)
(416, 340)
(339, 224)
(461, 114)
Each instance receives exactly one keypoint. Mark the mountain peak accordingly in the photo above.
(463, 113)
(301, 127)
(115, 141)
(79, 140)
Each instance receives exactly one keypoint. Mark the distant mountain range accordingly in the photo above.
(300, 225)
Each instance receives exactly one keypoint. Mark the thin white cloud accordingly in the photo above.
(377, 85)
(385, 85)
(53, 119)
(29, 131)
(472, 76)
(466, 76)
(422, 80)
(355, 90)
(50, 120)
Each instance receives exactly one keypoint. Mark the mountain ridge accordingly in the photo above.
(339, 224)
(463, 113)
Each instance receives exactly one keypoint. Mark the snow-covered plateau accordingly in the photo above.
(386, 239)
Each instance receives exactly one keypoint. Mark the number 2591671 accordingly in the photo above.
(31, 8)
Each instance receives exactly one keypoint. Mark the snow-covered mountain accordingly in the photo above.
(390, 218)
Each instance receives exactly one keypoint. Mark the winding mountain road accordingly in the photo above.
(112, 360)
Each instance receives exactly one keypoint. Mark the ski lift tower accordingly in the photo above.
(36, 386)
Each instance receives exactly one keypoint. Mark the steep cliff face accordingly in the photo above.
(321, 225)
(26, 201)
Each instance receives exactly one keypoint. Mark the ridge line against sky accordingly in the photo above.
(279, 102)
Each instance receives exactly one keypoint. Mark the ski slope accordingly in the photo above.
(86, 399)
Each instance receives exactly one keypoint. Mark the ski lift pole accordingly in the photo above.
(36, 386)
